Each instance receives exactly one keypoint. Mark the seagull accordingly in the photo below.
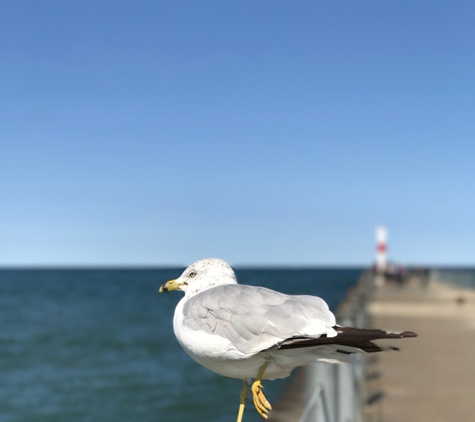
(250, 332)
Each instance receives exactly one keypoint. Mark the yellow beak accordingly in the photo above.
(169, 286)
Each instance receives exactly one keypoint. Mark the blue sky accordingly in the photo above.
(264, 133)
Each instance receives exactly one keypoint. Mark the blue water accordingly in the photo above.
(98, 345)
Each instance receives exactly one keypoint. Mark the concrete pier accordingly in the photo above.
(291, 404)
(432, 377)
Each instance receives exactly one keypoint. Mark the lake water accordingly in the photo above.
(98, 345)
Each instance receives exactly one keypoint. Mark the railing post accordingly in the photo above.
(337, 393)
(346, 394)
(321, 381)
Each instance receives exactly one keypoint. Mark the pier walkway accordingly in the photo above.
(432, 378)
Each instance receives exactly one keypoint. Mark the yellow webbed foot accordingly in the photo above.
(260, 401)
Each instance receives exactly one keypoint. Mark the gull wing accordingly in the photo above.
(255, 318)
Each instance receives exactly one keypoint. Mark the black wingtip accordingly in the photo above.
(408, 334)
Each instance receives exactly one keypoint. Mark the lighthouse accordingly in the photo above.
(381, 249)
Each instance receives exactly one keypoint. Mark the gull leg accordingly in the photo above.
(242, 400)
(260, 401)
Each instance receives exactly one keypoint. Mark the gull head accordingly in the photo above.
(200, 276)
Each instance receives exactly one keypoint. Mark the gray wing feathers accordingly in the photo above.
(256, 318)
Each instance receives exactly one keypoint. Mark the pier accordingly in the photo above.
(431, 378)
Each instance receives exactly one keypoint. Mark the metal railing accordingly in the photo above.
(464, 278)
(338, 393)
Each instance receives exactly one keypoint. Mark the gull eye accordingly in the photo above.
(192, 274)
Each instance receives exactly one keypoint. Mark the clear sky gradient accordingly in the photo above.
(261, 132)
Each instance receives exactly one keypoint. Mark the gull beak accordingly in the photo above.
(169, 286)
